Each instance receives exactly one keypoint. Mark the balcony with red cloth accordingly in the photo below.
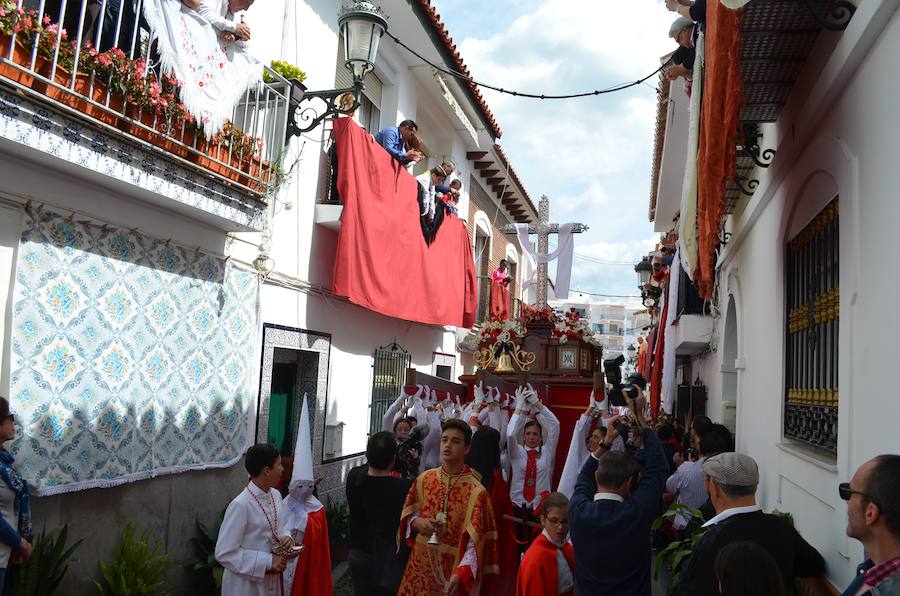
(383, 262)
(94, 97)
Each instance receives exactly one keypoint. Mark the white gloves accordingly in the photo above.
(480, 397)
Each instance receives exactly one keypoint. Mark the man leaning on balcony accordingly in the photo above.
(394, 140)
(220, 14)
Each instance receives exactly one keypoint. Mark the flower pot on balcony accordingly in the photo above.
(21, 56)
(73, 96)
(130, 112)
(98, 96)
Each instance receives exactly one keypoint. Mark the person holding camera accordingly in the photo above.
(611, 512)
(687, 484)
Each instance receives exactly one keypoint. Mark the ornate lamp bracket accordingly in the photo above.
(836, 18)
(752, 149)
(304, 118)
(749, 188)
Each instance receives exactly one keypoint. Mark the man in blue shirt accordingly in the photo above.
(610, 516)
(395, 138)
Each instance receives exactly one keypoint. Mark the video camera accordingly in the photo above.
(612, 368)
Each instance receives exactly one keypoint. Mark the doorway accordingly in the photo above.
(729, 371)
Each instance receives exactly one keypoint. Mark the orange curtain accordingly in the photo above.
(723, 97)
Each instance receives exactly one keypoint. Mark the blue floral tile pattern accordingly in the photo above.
(130, 358)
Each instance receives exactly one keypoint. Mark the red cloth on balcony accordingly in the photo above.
(723, 97)
(382, 261)
(499, 301)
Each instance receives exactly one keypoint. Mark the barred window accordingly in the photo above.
(388, 376)
(812, 286)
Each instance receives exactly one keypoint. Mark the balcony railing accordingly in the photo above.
(101, 67)
(484, 301)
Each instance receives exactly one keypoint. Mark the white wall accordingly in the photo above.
(850, 149)
(302, 253)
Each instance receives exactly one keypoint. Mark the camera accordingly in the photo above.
(612, 368)
(623, 429)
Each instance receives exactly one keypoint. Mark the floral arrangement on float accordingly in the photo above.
(570, 327)
(573, 327)
(492, 331)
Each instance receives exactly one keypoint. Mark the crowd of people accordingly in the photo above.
(458, 499)
(438, 190)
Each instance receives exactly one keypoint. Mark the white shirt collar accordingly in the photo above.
(733, 511)
(552, 541)
(608, 497)
(255, 490)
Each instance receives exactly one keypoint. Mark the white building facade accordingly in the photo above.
(797, 347)
(213, 316)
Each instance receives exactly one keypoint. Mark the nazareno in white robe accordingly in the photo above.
(243, 546)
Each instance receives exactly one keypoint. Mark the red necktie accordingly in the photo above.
(530, 476)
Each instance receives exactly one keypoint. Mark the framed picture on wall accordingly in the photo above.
(568, 358)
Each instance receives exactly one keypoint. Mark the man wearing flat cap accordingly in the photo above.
(731, 480)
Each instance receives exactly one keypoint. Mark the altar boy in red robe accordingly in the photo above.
(548, 567)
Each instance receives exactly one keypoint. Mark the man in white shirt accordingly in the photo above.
(687, 484)
(220, 14)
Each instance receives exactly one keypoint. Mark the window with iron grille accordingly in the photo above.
(812, 287)
(389, 376)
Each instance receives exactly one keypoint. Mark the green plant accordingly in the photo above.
(43, 572)
(285, 69)
(138, 569)
(338, 516)
(205, 545)
(677, 552)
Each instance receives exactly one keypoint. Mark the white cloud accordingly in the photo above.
(590, 155)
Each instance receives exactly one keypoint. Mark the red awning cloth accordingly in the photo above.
(723, 96)
(382, 261)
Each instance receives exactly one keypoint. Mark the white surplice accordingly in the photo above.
(243, 546)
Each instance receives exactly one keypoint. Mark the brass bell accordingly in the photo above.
(505, 364)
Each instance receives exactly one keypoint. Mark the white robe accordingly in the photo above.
(578, 453)
(297, 506)
(243, 546)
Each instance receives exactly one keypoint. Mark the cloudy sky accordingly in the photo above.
(592, 156)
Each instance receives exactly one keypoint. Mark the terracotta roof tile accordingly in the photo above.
(458, 64)
(662, 114)
(512, 172)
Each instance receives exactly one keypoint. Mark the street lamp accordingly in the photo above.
(362, 24)
(644, 270)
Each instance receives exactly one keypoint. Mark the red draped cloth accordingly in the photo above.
(309, 579)
(657, 366)
(382, 261)
(499, 301)
(504, 583)
(723, 97)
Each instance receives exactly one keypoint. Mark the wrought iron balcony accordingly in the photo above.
(100, 70)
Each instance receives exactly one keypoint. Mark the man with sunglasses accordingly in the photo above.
(873, 518)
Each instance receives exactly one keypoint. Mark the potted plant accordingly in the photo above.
(671, 558)
(205, 546)
(139, 567)
(43, 572)
(338, 517)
